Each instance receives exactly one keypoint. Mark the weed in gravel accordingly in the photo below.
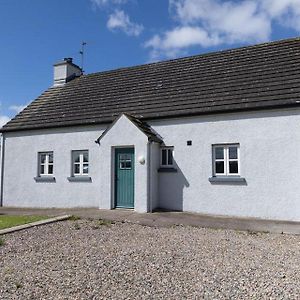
(102, 222)
(2, 242)
(74, 218)
(18, 285)
(77, 226)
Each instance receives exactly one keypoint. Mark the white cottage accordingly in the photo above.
(216, 134)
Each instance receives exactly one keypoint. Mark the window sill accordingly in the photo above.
(228, 179)
(167, 170)
(80, 179)
(44, 179)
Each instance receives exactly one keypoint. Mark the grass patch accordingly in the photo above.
(2, 242)
(11, 221)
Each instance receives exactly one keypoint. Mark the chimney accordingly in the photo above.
(65, 71)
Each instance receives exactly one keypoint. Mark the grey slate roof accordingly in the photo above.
(256, 77)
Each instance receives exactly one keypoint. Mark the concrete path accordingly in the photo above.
(166, 219)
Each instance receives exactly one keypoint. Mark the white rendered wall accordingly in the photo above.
(20, 168)
(270, 163)
(153, 177)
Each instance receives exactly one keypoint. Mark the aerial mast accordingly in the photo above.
(81, 52)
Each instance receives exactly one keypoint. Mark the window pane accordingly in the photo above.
(43, 158)
(50, 169)
(50, 158)
(76, 157)
(233, 167)
(219, 167)
(219, 152)
(42, 169)
(233, 153)
(128, 164)
(85, 157)
(85, 169)
(76, 169)
(170, 157)
(124, 156)
(163, 157)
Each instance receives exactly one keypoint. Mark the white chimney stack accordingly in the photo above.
(65, 71)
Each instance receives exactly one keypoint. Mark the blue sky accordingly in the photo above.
(35, 34)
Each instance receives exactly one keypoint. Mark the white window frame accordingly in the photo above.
(46, 164)
(80, 163)
(168, 165)
(226, 159)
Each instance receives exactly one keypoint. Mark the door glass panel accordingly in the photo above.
(219, 152)
(220, 167)
(125, 161)
(233, 167)
(233, 153)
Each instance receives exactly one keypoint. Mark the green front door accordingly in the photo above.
(124, 177)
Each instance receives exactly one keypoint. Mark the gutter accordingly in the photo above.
(2, 168)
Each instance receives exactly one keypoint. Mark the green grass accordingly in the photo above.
(11, 221)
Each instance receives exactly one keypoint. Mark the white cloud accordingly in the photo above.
(4, 120)
(17, 108)
(172, 42)
(207, 23)
(286, 12)
(119, 20)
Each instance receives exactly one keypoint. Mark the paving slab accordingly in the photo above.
(165, 219)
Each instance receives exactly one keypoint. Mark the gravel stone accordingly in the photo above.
(96, 260)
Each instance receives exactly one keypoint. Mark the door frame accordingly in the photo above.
(113, 177)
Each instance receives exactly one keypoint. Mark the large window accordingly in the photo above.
(46, 164)
(226, 160)
(167, 160)
(80, 163)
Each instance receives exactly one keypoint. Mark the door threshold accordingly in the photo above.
(124, 208)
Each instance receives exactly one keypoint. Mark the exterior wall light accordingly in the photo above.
(141, 159)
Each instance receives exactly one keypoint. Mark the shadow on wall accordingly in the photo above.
(171, 185)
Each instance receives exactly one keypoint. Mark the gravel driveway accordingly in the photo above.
(87, 260)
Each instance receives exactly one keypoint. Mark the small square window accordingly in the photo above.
(226, 161)
(167, 157)
(45, 161)
(80, 162)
